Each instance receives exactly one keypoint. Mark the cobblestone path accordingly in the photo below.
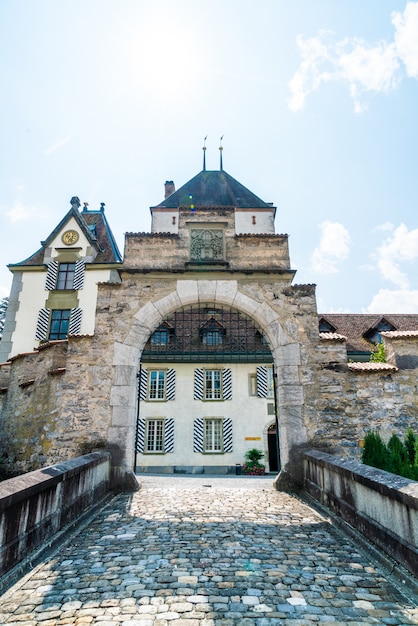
(203, 551)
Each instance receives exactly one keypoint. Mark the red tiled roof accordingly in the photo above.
(372, 367)
(355, 326)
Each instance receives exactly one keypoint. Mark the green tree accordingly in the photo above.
(375, 452)
(4, 302)
(410, 445)
(398, 457)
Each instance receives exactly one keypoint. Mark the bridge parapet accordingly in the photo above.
(380, 505)
(36, 506)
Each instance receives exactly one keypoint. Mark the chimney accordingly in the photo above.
(169, 188)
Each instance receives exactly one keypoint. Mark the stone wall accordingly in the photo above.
(50, 411)
(352, 401)
(382, 506)
(34, 507)
(72, 396)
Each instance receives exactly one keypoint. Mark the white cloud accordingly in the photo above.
(394, 301)
(364, 67)
(23, 213)
(400, 246)
(386, 226)
(4, 291)
(334, 247)
(56, 146)
(406, 37)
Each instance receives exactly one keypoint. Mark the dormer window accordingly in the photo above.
(325, 326)
(212, 333)
(374, 334)
(161, 336)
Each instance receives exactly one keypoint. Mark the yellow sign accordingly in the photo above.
(252, 438)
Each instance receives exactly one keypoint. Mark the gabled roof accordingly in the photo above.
(356, 327)
(109, 251)
(95, 227)
(214, 189)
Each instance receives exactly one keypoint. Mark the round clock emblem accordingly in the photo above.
(70, 237)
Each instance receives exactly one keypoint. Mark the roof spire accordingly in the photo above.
(220, 150)
(204, 153)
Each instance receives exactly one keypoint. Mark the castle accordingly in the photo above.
(193, 348)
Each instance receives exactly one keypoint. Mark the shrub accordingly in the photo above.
(252, 464)
(378, 355)
(397, 457)
(375, 452)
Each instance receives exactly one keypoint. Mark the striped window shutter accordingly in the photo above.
(169, 435)
(227, 435)
(51, 277)
(143, 384)
(79, 275)
(198, 427)
(262, 381)
(42, 324)
(227, 384)
(170, 391)
(140, 436)
(198, 384)
(74, 327)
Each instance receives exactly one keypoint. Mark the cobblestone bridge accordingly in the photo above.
(208, 551)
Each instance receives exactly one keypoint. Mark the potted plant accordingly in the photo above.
(252, 463)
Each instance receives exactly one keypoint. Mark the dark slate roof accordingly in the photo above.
(109, 251)
(214, 189)
(97, 230)
(355, 326)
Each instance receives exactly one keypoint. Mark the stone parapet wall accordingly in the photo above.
(165, 251)
(36, 506)
(382, 506)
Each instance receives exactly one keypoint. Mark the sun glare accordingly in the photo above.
(166, 56)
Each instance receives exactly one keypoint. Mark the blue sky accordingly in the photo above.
(317, 101)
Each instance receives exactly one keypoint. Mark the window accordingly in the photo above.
(156, 385)
(212, 332)
(160, 338)
(265, 383)
(374, 334)
(213, 435)
(59, 324)
(270, 384)
(213, 384)
(252, 384)
(212, 338)
(65, 279)
(154, 441)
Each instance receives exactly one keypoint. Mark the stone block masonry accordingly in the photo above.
(382, 506)
(36, 506)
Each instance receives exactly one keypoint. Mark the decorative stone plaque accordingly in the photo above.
(206, 244)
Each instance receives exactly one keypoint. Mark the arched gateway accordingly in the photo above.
(204, 313)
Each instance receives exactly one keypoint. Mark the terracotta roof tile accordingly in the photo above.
(372, 367)
(355, 326)
(399, 334)
(332, 337)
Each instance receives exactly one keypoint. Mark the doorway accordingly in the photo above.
(272, 443)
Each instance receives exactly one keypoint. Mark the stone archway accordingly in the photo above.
(285, 351)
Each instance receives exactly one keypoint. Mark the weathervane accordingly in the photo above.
(204, 153)
(220, 150)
